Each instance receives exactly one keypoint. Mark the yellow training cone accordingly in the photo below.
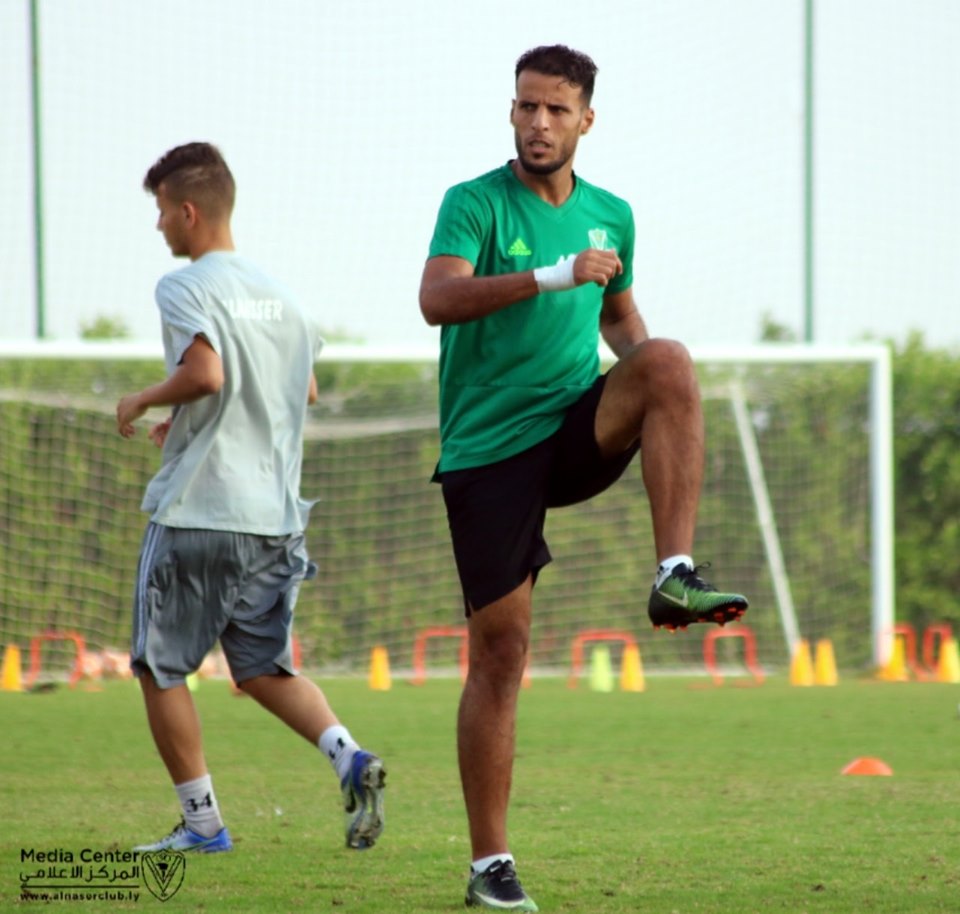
(193, 682)
(379, 670)
(631, 670)
(601, 673)
(895, 669)
(824, 664)
(801, 667)
(11, 674)
(948, 664)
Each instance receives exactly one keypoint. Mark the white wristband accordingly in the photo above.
(558, 277)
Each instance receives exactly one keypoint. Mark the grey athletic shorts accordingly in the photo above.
(195, 587)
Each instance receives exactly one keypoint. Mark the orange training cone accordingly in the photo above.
(868, 766)
(379, 670)
(11, 673)
(801, 667)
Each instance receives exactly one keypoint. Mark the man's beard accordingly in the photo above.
(540, 168)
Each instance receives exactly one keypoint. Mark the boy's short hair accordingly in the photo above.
(195, 172)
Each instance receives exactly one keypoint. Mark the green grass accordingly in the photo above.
(685, 798)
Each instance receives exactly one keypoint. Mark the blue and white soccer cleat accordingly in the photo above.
(363, 800)
(184, 839)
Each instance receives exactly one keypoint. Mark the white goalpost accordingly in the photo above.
(877, 357)
(796, 511)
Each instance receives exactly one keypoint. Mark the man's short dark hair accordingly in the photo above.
(196, 172)
(559, 60)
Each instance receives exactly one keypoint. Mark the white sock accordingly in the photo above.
(478, 866)
(337, 744)
(667, 566)
(199, 804)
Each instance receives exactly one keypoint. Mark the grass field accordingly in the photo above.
(685, 798)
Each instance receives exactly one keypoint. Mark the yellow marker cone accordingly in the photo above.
(11, 674)
(948, 664)
(801, 667)
(379, 670)
(631, 670)
(824, 664)
(895, 669)
(193, 682)
(601, 673)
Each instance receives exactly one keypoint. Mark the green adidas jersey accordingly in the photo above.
(507, 379)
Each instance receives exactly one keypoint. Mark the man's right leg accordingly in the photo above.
(175, 727)
(486, 726)
(176, 732)
(496, 514)
(170, 633)
(486, 736)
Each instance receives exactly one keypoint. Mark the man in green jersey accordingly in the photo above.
(528, 265)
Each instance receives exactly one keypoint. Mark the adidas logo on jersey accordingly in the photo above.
(519, 249)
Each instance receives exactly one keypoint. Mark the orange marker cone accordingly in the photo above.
(868, 766)
(379, 670)
(631, 670)
(801, 667)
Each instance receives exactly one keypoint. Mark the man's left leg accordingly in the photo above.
(302, 706)
(652, 395)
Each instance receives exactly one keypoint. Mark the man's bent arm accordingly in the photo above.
(450, 293)
(199, 374)
(621, 325)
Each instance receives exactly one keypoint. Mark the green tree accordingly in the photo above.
(104, 327)
(773, 332)
(927, 458)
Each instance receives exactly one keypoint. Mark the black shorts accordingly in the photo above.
(496, 512)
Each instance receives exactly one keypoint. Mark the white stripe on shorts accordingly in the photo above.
(147, 552)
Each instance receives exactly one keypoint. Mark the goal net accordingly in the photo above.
(795, 510)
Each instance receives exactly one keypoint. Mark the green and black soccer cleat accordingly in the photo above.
(684, 598)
